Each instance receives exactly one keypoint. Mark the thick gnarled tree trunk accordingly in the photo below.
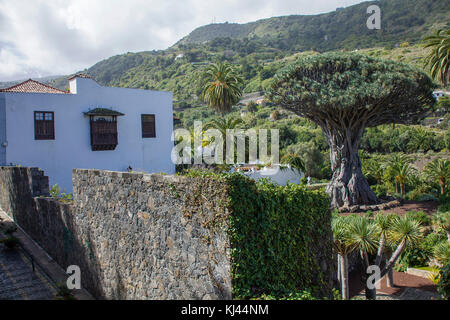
(348, 185)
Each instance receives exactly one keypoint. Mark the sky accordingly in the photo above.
(58, 37)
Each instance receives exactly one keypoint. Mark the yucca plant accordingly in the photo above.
(442, 252)
(362, 235)
(343, 248)
(405, 231)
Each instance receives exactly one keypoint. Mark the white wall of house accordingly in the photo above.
(72, 147)
(281, 177)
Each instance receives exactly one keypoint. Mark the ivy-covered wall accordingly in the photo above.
(280, 238)
(204, 236)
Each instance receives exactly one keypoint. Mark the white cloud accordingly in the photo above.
(41, 37)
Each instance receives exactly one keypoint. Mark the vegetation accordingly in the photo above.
(56, 193)
(344, 94)
(403, 21)
(275, 231)
(222, 87)
(439, 58)
(444, 284)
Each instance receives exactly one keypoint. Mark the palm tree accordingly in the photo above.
(221, 88)
(400, 168)
(222, 125)
(439, 169)
(438, 61)
(343, 248)
(295, 161)
(374, 167)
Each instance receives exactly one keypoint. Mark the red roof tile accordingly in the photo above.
(32, 86)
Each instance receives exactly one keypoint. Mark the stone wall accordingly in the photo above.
(133, 235)
(147, 240)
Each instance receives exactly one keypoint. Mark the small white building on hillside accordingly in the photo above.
(279, 174)
(90, 127)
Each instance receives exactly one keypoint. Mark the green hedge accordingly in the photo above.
(280, 238)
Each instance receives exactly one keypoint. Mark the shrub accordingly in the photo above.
(279, 235)
(443, 286)
(442, 252)
(420, 216)
(302, 295)
(412, 257)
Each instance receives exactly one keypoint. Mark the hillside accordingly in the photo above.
(260, 48)
(343, 29)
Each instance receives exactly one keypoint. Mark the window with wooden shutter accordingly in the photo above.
(148, 126)
(44, 125)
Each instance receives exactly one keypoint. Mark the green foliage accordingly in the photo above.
(422, 253)
(406, 139)
(274, 233)
(221, 87)
(419, 216)
(412, 257)
(302, 295)
(294, 160)
(336, 86)
(346, 28)
(442, 252)
(444, 284)
(438, 61)
(55, 192)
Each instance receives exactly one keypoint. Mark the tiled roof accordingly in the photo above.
(103, 112)
(81, 75)
(32, 86)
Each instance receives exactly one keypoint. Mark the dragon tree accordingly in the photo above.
(344, 94)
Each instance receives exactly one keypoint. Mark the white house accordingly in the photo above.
(279, 174)
(90, 127)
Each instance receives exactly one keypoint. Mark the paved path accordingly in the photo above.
(18, 281)
(47, 268)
